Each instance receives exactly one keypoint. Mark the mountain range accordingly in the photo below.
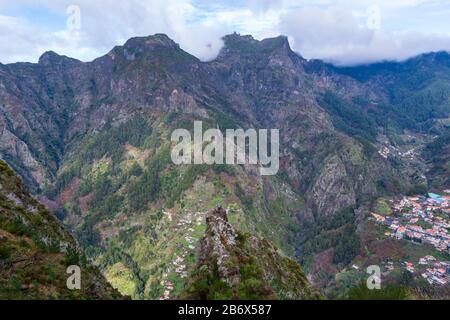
(91, 140)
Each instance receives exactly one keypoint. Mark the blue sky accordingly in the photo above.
(37, 15)
(345, 32)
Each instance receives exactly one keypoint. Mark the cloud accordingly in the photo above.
(333, 30)
(15, 50)
(336, 35)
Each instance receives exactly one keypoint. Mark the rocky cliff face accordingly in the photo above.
(35, 250)
(49, 108)
(437, 153)
(233, 265)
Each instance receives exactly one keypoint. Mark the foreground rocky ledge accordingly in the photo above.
(232, 265)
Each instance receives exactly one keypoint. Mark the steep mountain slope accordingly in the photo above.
(412, 94)
(35, 250)
(233, 265)
(437, 153)
(92, 140)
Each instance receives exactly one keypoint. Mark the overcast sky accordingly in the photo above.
(341, 31)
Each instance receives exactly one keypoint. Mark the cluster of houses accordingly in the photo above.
(437, 272)
(168, 287)
(179, 265)
(434, 271)
(388, 150)
(424, 220)
(420, 219)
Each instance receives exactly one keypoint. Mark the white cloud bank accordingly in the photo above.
(332, 30)
(336, 35)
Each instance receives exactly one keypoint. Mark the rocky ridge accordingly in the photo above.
(233, 265)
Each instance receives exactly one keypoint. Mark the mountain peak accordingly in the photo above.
(155, 41)
(218, 212)
(52, 58)
(246, 44)
(281, 41)
(140, 46)
(47, 57)
(235, 37)
(438, 57)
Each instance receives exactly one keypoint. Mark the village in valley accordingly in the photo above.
(422, 220)
(191, 225)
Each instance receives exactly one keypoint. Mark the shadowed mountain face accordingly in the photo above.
(92, 140)
(35, 250)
